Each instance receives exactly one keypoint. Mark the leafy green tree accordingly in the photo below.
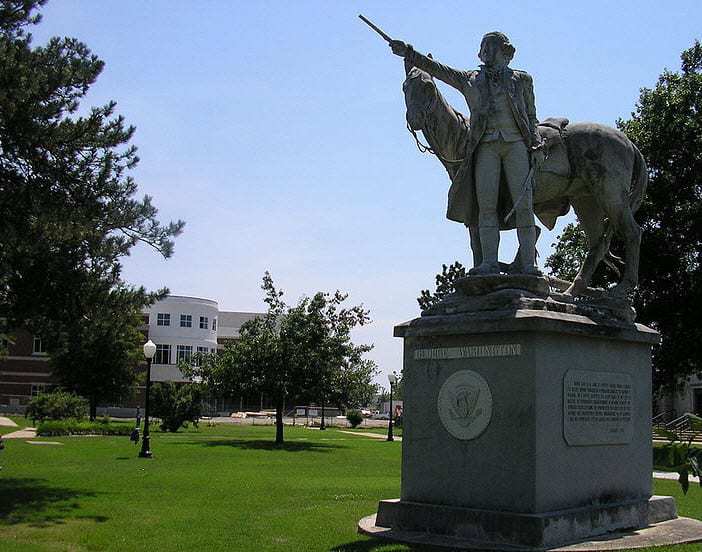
(98, 354)
(352, 383)
(445, 284)
(291, 353)
(260, 361)
(68, 211)
(176, 404)
(666, 126)
(319, 329)
(67, 208)
(568, 254)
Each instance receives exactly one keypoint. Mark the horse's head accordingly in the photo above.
(420, 96)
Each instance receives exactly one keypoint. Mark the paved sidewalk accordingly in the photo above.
(370, 434)
(26, 433)
(6, 422)
(673, 475)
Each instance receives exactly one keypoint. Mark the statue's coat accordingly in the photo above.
(462, 201)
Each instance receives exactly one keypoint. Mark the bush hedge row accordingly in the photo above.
(55, 428)
(57, 405)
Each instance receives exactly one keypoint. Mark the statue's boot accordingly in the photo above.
(485, 269)
(489, 243)
(515, 267)
(527, 250)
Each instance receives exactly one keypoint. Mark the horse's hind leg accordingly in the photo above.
(631, 232)
(591, 218)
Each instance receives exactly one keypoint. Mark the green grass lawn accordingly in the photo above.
(219, 488)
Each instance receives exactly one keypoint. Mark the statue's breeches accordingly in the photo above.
(491, 158)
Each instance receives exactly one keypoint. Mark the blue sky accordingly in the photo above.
(276, 130)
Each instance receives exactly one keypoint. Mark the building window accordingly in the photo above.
(38, 346)
(184, 353)
(163, 319)
(163, 354)
(186, 320)
(204, 322)
(214, 324)
(38, 389)
(200, 351)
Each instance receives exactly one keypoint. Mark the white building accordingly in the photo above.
(686, 398)
(182, 326)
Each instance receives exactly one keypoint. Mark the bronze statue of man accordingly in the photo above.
(503, 142)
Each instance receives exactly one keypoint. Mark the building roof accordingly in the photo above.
(178, 299)
(230, 322)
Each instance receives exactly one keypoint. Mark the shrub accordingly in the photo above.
(55, 428)
(176, 404)
(354, 417)
(678, 455)
(58, 405)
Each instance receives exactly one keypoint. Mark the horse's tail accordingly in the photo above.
(639, 180)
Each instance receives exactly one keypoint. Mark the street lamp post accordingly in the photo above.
(149, 352)
(392, 378)
(322, 425)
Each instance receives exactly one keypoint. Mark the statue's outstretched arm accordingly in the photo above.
(453, 77)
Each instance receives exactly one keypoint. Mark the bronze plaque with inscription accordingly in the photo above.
(597, 408)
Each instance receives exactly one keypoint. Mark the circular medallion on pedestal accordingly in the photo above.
(465, 404)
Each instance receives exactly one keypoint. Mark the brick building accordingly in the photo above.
(180, 326)
(25, 371)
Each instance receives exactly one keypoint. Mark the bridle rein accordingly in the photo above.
(429, 106)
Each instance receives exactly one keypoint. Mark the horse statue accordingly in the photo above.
(593, 168)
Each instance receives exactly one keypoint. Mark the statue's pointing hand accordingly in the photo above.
(399, 48)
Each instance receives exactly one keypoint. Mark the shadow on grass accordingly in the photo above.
(25, 500)
(376, 545)
(253, 444)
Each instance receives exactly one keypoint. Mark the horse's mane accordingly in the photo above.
(446, 129)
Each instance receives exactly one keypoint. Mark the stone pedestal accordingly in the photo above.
(525, 428)
(519, 531)
(570, 412)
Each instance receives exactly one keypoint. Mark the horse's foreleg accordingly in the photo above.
(475, 244)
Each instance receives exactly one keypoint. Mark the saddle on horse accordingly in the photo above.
(553, 132)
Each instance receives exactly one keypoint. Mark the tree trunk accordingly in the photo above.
(279, 423)
(93, 408)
